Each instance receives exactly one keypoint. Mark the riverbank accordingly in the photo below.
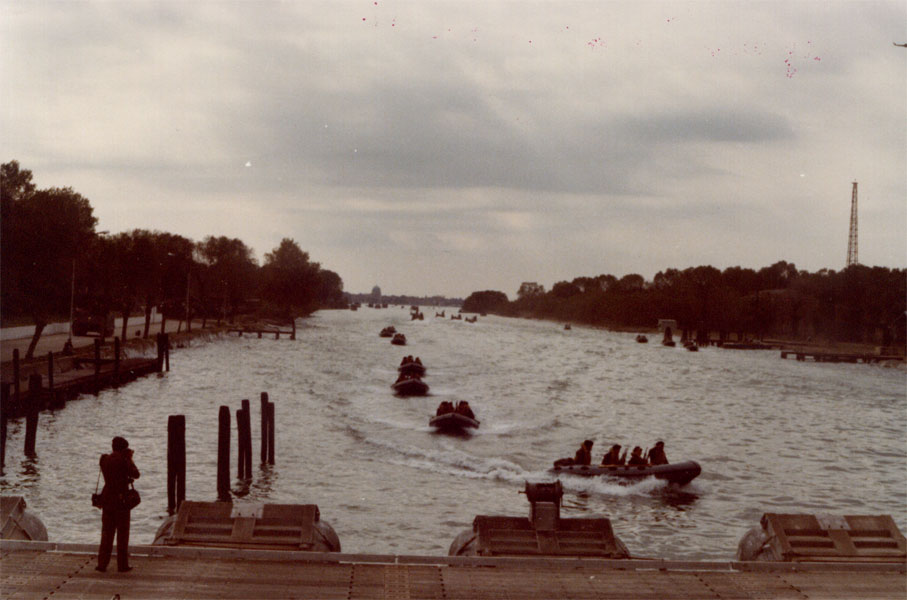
(42, 569)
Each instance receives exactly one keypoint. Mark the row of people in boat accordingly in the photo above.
(462, 408)
(651, 457)
(409, 359)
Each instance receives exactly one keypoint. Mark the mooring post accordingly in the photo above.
(4, 406)
(271, 433)
(240, 445)
(97, 366)
(223, 454)
(16, 392)
(247, 436)
(293, 332)
(116, 362)
(167, 351)
(160, 352)
(50, 377)
(264, 427)
(176, 462)
(31, 418)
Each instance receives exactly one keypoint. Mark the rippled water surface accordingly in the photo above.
(771, 435)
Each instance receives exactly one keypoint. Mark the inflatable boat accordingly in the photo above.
(680, 473)
(412, 368)
(453, 421)
(410, 387)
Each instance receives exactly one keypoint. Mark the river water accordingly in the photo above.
(771, 435)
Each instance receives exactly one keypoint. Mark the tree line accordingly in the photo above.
(53, 259)
(858, 304)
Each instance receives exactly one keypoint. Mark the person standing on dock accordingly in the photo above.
(119, 471)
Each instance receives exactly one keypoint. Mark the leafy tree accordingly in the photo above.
(44, 231)
(289, 281)
(487, 301)
(230, 273)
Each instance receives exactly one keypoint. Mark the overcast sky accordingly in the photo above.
(449, 147)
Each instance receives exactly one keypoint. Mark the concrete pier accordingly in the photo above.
(51, 570)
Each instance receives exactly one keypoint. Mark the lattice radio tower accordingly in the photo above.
(852, 239)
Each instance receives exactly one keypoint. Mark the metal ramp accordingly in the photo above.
(502, 536)
(260, 526)
(545, 533)
(830, 538)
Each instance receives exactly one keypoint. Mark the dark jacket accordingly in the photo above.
(612, 457)
(119, 471)
(657, 456)
(583, 456)
(636, 459)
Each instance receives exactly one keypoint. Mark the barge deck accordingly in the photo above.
(46, 569)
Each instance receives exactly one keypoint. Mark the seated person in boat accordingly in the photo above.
(444, 408)
(657, 454)
(636, 457)
(584, 454)
(418, 361)
(463, 409)
(613, 457)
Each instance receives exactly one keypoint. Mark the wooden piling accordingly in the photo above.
(97, 366)
(242, 461)
(4, 406)
(271, 433)
(244, 442)
(17, 394)
(293, 333)
(116, 362)
(50, 376)
(264, 427)
(31, 418)
(167, 352)
(176, 462)
(223, 454)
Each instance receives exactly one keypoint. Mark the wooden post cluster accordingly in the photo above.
(31, 419)
(223, 454)
(176, 462)
(267, 430)
(244, 441)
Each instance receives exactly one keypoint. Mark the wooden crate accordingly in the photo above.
(829, 538)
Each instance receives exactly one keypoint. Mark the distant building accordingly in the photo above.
(376, 294)
(665, 323)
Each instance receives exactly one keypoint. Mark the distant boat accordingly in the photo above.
(567, 326)
(388, 331)
(641, 339)
(399, 339)
(412, 368)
